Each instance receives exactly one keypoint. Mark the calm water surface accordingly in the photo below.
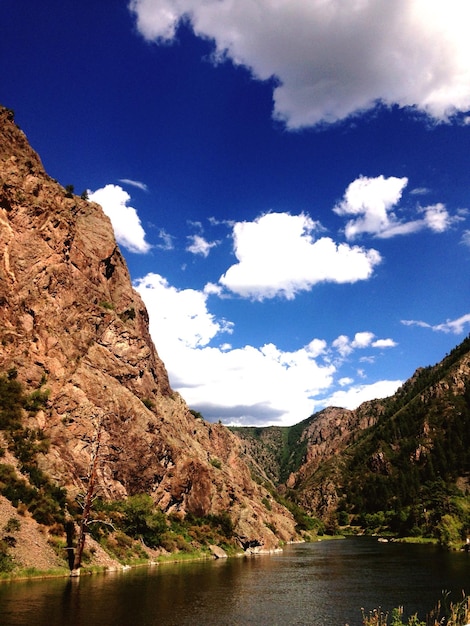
(320, 584)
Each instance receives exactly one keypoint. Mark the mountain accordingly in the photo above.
(400, 464)
(75, 340)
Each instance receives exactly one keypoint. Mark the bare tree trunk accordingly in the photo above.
(77, 561)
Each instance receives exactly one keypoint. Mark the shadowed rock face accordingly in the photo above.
(71, 322)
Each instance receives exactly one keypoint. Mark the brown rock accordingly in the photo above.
(70, 321)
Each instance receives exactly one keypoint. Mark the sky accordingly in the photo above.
(288, 181)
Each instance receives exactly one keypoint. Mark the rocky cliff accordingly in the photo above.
(71, 323)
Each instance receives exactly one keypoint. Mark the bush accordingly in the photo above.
(142, 520)
(6, 562)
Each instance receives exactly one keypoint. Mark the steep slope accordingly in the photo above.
(73, 328)
(410, 471)
(401, 463)
(286, 455)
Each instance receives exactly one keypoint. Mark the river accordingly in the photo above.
(319, 584)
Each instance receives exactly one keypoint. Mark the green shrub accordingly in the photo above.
(143, 520)
(6, 562)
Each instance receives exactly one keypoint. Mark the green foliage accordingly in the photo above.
(148, 403)
(44, 500)
(69, 189)
(37, 400)
(453, 614)
(267, 503)
(13, 525)
(138, 519)
(216, 463)
(12, 401)
(401, 473)
(128, 314)
(143, 520)
(6, 562)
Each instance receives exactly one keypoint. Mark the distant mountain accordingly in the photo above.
(75, 338)
(401, 464)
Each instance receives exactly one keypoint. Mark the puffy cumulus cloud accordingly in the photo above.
(334, 59)
(456, 326)
(201, 246)
(277, 255)
(253, 385)
(352, 397)
(126, 223)
(384, 343)
(178, 315)
(248, 385)
(436, 217)
(345, 346)
(371, 202)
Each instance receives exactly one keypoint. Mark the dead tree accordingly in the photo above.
(91, 478)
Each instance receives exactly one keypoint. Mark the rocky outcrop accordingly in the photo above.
(329, 433)
(71, 322)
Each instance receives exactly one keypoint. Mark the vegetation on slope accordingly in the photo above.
(279, 450)
(410, 472)
(130, 530)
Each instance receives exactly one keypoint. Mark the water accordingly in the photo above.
(321, 584)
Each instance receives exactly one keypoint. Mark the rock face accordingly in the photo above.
(71, 322)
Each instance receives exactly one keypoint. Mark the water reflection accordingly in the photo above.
(323, 584)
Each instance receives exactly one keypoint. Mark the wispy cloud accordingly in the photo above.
(134, 183)
(334, 59)
(201, 246)
(125, 220)
(466, 238)
(166, 240)
(456, 326)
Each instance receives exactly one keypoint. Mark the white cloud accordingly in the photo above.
(277, 255)
(384, 343)
(466, 238)
(371, 202)
(248, 385)
(200, 245)
(134, 183)
(243, 385)
(365, 339)
(419, 191)
(126, 223)
(166, 240)
(456, 326)
(436, 218)
(334, 59)
(178, 315)
(356, 395)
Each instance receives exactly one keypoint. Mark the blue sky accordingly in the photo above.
(288, 181)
